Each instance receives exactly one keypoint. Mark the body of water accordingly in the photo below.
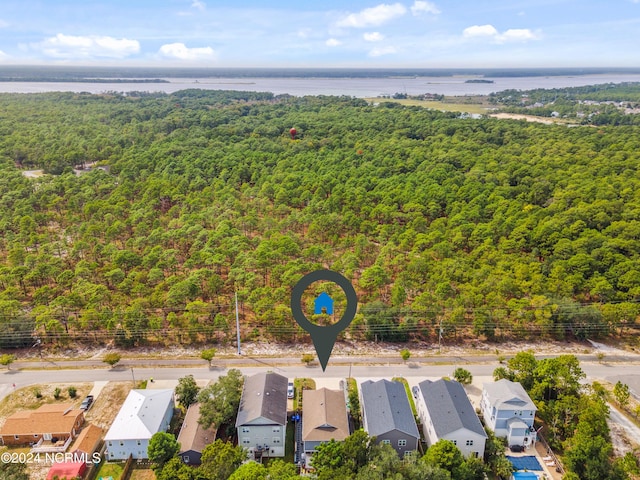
(350, 86)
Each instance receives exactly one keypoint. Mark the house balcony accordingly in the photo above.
(47, 446)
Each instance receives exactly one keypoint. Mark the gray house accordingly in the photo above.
(262, 416)
(447, 413)
(193, 437)
(387, 415)
(509, 411)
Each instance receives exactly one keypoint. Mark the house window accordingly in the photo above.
(402, 443)
(186, 459)
(139, 442)
(245, 430)
(35, 435)
(111, 444)
(518, 412)
(455, 442)
(276, 440)
(469, 443)
(121, 443)
(246, 441)
(276, 429)
(386, 442)
(16, 437)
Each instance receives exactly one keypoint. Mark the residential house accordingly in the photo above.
(54, 423)
(262, 415)
(508, 410)
(324, 417)
(446, 413)
(88, 441)
(387, 415)
(193, 437)
(143, 413)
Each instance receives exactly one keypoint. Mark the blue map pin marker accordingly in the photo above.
(324, 338)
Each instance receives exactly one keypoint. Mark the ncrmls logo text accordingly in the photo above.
(74, 457)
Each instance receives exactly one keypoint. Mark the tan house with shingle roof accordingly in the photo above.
(88, 440)
(55, 422)
(324, 417)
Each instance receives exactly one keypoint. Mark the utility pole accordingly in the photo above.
(238, 325)
(134, 378)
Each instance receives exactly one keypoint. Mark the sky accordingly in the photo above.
(328, 33)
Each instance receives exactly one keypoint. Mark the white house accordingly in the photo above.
(262, 415)
(446, 413)
(143, 413)
(508, 410)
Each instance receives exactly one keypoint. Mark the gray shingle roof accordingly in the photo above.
(449, 407)
(263, 395)
(387, 408)
(505, 394)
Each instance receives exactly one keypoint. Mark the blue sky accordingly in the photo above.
(412, 33)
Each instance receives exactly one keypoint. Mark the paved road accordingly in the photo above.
(594, 370)
(244, 361)
(631, 430)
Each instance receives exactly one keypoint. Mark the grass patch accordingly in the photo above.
(409, 394)
(300, 384)
(110, 470)
(289, 442)
(142, 474)
(436, 105)
(354, 402)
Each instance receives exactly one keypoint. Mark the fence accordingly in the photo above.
(556, 460)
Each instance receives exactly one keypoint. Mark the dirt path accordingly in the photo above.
(625, 435)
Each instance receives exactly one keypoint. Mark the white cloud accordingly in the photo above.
(199, 4)
(420, 7)
(373, 16)
(480, 31)
(517, 35)
(180, 51)
(82, 47)
(3, 24)
(333, 42)
(510, 35)
(378, 52)
(373, 36)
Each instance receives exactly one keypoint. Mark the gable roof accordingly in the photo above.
(141, 415)
(192, 435)
(66, 470)
(264, 395)
(386, 407)
(449, 407)
(505, 394)
(88, 439)
(324, 415)
(53, 418)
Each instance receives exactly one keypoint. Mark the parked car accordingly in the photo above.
(290, 390)
(86, 403)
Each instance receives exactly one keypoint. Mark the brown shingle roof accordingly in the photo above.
(88, 440)
(324, 415)
(192, 436)
(54, 418)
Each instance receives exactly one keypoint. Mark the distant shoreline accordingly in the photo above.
(30, 73)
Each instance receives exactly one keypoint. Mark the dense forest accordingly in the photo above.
(446, 225)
